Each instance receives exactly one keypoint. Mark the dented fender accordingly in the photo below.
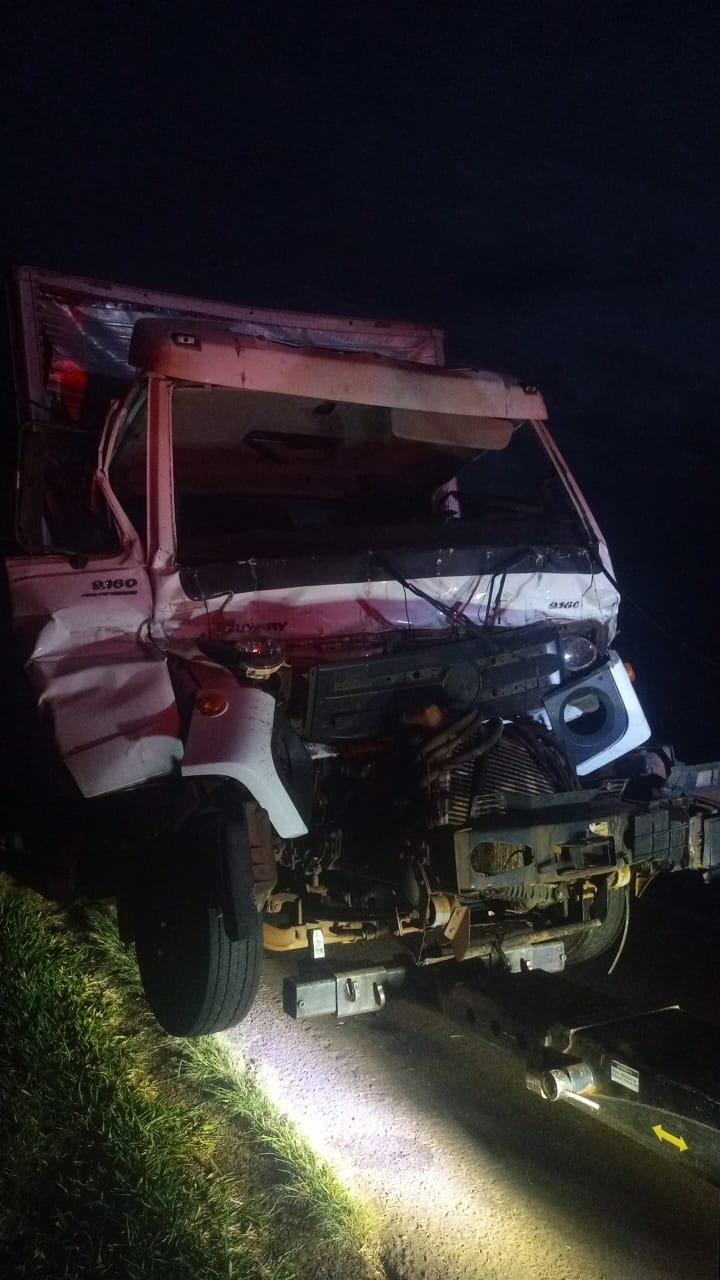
(107, 697)
(238, 743)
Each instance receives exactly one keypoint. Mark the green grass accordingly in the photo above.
(126, 1153)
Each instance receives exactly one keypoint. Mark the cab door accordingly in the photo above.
(82, 601)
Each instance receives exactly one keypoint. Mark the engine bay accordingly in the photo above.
(425, 781)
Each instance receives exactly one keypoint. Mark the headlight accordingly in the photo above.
(577, 652)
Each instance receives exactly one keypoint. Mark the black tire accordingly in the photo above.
(197, 930)
(594, 942)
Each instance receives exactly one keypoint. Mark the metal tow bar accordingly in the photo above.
(651, 1074)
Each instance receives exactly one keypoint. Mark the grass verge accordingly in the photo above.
(126, 1153)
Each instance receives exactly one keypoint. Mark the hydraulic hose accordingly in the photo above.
(495, 733)
(625, 932)
(449, 734)
(473, 753)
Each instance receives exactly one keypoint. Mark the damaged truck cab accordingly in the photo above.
(322, 630)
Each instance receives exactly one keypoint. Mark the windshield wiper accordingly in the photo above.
(492, 608)
(446, 610)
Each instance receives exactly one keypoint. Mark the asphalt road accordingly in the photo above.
(475, 1178)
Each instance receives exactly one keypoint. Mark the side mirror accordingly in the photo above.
(54, 512)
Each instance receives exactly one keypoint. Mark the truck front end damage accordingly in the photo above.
(352, 616)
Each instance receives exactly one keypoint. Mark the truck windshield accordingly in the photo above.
(261, 473)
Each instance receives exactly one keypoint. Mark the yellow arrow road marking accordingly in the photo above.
(664, 1136)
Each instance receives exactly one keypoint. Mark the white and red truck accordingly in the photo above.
(321, 632)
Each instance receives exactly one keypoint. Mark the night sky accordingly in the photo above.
(542, 180)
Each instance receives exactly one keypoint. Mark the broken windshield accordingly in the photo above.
(261, 473)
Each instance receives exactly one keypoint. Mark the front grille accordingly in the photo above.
(507, 671)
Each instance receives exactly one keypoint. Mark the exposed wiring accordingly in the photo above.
(626, 930)
(454, 616)
(551, 757)
(146, 625)
(492, 608)
(592, 586)
(207, 616)
(407, 611)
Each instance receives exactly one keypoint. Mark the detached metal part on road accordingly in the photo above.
(473, 1177)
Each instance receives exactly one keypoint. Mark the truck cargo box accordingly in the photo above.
(71, 337)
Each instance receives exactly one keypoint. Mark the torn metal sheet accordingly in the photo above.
(71, 336)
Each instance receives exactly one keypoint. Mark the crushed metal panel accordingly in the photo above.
(108, 696)
(70, 332)
(114, 717)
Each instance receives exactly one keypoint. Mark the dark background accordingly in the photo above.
(540, 179)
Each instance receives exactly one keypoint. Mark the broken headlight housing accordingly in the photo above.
(578, 653)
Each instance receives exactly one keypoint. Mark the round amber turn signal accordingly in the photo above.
(211, 704)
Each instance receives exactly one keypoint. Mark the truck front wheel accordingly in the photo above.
(196, 926)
